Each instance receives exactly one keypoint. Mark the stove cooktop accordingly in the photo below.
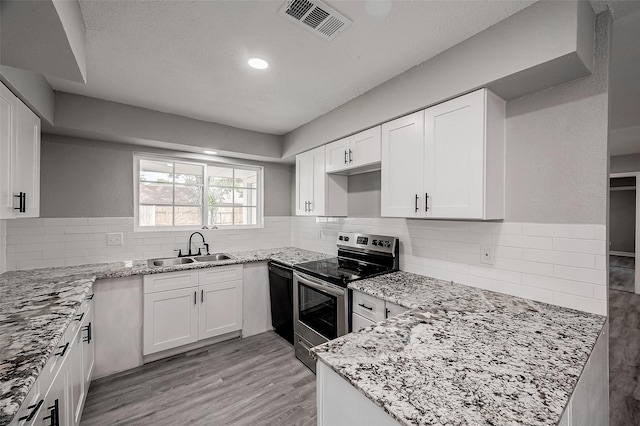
(341, 271)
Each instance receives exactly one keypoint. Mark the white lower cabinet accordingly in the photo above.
(367, 310)
(221, 309)
(170, 319)
(58, 395)
(187, 306)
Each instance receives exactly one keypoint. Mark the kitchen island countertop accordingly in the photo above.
(37, 305)
(463, 355)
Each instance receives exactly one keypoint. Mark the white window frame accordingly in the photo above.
(205, 190)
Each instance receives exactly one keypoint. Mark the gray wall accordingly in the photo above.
(556, 162)
(622, 234)
(88, 178)
(364, 195)
(625, 163)
(538, 47)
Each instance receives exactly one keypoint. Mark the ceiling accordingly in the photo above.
(190, 57)
(624, 86)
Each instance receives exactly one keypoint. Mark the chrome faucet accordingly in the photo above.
(199, 249)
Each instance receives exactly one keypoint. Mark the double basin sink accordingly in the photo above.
(172, 261)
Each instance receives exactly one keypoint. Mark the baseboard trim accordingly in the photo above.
(622, 253)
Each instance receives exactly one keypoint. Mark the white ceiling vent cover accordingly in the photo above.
(316, 17)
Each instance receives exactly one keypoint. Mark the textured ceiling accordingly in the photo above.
(189, 57)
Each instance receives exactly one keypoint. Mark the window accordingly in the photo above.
(179, 194)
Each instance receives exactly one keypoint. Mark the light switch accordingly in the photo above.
(114, 239)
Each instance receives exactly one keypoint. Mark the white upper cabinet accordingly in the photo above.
(318, 193)
(355, 154)
(19, 158)
(457, 172)
(402, 166)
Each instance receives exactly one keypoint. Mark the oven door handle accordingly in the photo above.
(320, 287)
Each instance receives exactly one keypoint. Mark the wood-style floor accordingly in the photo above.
(252, 381)
(624, 358)
(622, 273)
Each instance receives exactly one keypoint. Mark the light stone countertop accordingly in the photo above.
(37, 305)
(463, 355)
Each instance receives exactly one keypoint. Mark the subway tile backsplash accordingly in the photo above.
(38, 243)
(554, 263)
(562, 264)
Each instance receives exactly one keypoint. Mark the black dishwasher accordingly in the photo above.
(281, 291)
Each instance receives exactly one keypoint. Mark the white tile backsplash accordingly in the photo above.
(36, 243)
(562, 264)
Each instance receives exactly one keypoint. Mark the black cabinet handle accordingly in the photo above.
(386, 313)
(64, 349)
(350, 158)
(345, 157)
(79, 317)
(34, 408)
(90, 297)
(201, 296)
(195, 297)
(426, 202)
(23, 202)
(54, 414)
(87, 328)
(365, 306)
(416, 202)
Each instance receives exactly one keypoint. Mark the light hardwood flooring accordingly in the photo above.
(252, 381)
(624, 358)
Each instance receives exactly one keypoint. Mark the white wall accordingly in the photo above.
(39, 243)
(554, 263)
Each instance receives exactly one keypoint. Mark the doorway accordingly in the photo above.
(622, 232)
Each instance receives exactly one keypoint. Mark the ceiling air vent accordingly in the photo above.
(316, 17)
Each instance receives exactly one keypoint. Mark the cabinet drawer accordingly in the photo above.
(358, 322)
(170, 281)
(367, 306)
(393, 309)
(220, 274)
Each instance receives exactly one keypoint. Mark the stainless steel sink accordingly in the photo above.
(212, 257)
(172, 261)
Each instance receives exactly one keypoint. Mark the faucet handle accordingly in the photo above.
(179, 252)
(199, 251)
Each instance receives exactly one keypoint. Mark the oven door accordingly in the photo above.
(319, 309)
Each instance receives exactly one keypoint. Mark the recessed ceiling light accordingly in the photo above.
(258, 63)
(210, 152)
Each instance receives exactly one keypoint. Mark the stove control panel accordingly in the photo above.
(376, 243)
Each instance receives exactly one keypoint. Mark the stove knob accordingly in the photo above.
(346, 238)
(387, 243)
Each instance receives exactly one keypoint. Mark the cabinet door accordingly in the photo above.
(74, 368)
(454, 157)
(337, 155)
(170, 319)
(365, 147)
(88, 347)
(358, 322)
(55, 409)
(26, 171)
(318, 184)
(220, 308)
(391, 310)
(304, 182)
(402, 166)
(8, 103)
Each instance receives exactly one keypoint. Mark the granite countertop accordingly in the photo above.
(37, 305)
(463, 355)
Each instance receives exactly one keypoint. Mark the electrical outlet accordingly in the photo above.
(114, 239)
(486, 255)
